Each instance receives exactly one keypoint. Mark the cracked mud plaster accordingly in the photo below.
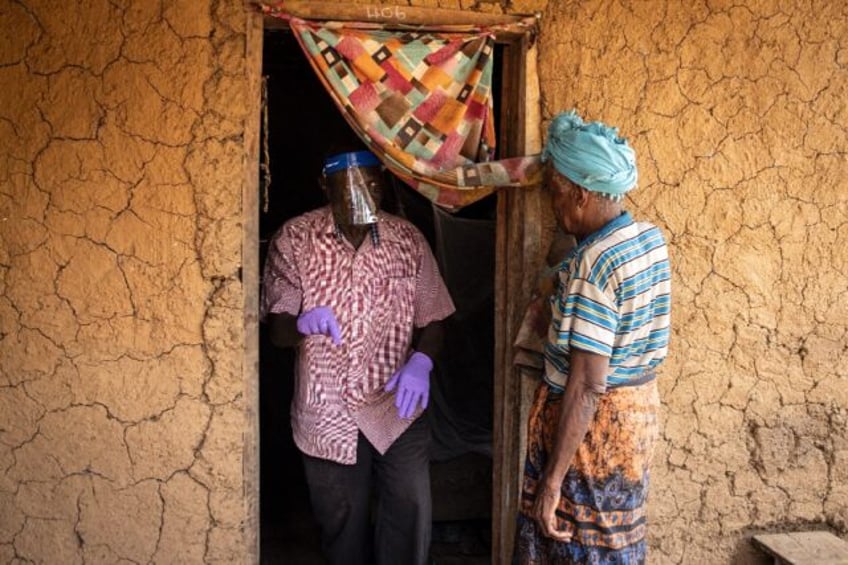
(121, 171)
(737, 114)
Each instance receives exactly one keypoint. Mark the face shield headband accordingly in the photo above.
(350, 187)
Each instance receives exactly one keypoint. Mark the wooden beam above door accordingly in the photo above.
(390, 14)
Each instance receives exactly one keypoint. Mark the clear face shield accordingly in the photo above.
(354, 183)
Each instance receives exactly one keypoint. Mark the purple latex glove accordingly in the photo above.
(413, 384)
(320, 321)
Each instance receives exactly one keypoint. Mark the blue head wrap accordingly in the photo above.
(591, 155)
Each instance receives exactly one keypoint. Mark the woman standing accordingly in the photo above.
(593, 423)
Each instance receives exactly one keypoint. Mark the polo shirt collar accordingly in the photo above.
(620, 221)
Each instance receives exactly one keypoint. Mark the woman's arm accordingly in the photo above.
(586, 383)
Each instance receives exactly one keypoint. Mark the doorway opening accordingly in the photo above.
(302, 123)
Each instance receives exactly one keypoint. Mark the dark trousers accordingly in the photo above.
(341, 502)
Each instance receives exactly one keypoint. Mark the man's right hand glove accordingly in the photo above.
(320, 321)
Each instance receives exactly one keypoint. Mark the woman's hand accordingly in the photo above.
(544, 512)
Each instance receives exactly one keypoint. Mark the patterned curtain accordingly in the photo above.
(421, 101)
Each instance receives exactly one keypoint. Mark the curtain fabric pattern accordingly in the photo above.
(422, 101)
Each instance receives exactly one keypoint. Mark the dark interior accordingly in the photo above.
(303, 124)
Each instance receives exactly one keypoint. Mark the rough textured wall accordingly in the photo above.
(738, 113)
(121, 169)
(121, 173)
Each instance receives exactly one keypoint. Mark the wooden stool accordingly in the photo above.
(804, 548)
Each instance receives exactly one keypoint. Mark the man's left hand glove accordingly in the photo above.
(413, 384)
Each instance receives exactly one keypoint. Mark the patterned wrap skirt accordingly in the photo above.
(604, 492)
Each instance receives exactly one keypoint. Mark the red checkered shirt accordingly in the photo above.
(378, 294)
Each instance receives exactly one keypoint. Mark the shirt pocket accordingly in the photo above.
(394, 298)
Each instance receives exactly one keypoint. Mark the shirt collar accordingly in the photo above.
(623, 219)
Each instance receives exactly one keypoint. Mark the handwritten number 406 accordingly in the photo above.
(385, 12)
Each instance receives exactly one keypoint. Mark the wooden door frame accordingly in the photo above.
(517, 253)
(254, 33)
(517, 245)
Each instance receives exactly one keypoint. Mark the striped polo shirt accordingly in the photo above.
(613, 298)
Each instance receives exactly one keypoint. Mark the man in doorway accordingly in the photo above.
(593, 423)
(359, 293)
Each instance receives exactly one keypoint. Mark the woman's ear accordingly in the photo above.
(580, 195)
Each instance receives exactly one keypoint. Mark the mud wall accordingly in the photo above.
(738, 114)
(122, 409)
(122, 165)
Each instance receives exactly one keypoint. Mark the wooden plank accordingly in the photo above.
(514, 243)
(250, 285)
(385, 13)
(805, 548)
(503, 491)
